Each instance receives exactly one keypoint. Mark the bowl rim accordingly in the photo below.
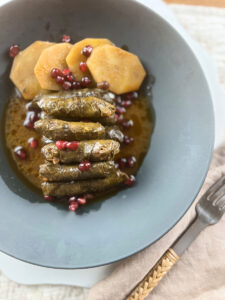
(211, 143)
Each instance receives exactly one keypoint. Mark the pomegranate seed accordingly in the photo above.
(31, 117)
(117, 165)
(66, 38)
(131, 181)
(128, 140)
(14, 50)
(118, 100)
(20, 152)
(131, 96)
(122, 163)
(126, 103)
(88, 196)
(120, 110)
(131, 161)
(84, 166)
(85, 81)
(60, 80)
(72, 199)
(104, 85)
(127, 124)
(49, 198)
(73, 206)
(27, 123)
(118, 118)
(67, 85)
(72, 145)
(70, 78)
(86, 51)
(66, 72)
(55, 72)
(83, 66)
(76, 85)
(33, 143)
(61, 145)
(81, 201)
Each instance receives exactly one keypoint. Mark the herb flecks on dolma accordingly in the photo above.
(50, 172)
(93, 150)
(61, 189)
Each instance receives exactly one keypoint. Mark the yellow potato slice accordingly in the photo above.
(22, 72)
(52, 57)
(75, 57)
(123, 70)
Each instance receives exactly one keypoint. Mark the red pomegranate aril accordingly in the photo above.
(73, 206)
(76, 85)
(126, 103)
(84, 166)
(85, 81)
(122, 163)
(14, 50)
(66, 71)
(33, 143)
(128, 140)
(131, 96)
(72, 199)
(131, 161)
(32, 115)
(86, 51)
(120, 110)
(81, 200)
(49, 198)
(118, 100)
(27, 123)
(67, 85)
(127, 124)
(66, 38)
(83, 67)
(119, 118)
(131, 181)
(60, 80)
(72, 145)
(61, 145)
(56, 72)
(70, 78)
(104, 85)
(20, 152)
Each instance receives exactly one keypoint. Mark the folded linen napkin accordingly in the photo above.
(200, 273)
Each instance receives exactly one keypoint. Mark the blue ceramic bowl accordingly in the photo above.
(173, 170)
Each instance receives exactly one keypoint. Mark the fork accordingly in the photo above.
(210, 209)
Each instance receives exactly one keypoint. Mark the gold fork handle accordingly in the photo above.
(154, 276)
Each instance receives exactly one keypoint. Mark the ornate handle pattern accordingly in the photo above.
(154, 276)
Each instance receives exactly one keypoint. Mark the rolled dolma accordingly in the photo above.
(50, 172)
(69, 131)
(54, 129)
(75, 107)
(93, 150)
(60, 189)
(98, 93)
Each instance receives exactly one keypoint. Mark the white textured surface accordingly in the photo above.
(207, 26)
